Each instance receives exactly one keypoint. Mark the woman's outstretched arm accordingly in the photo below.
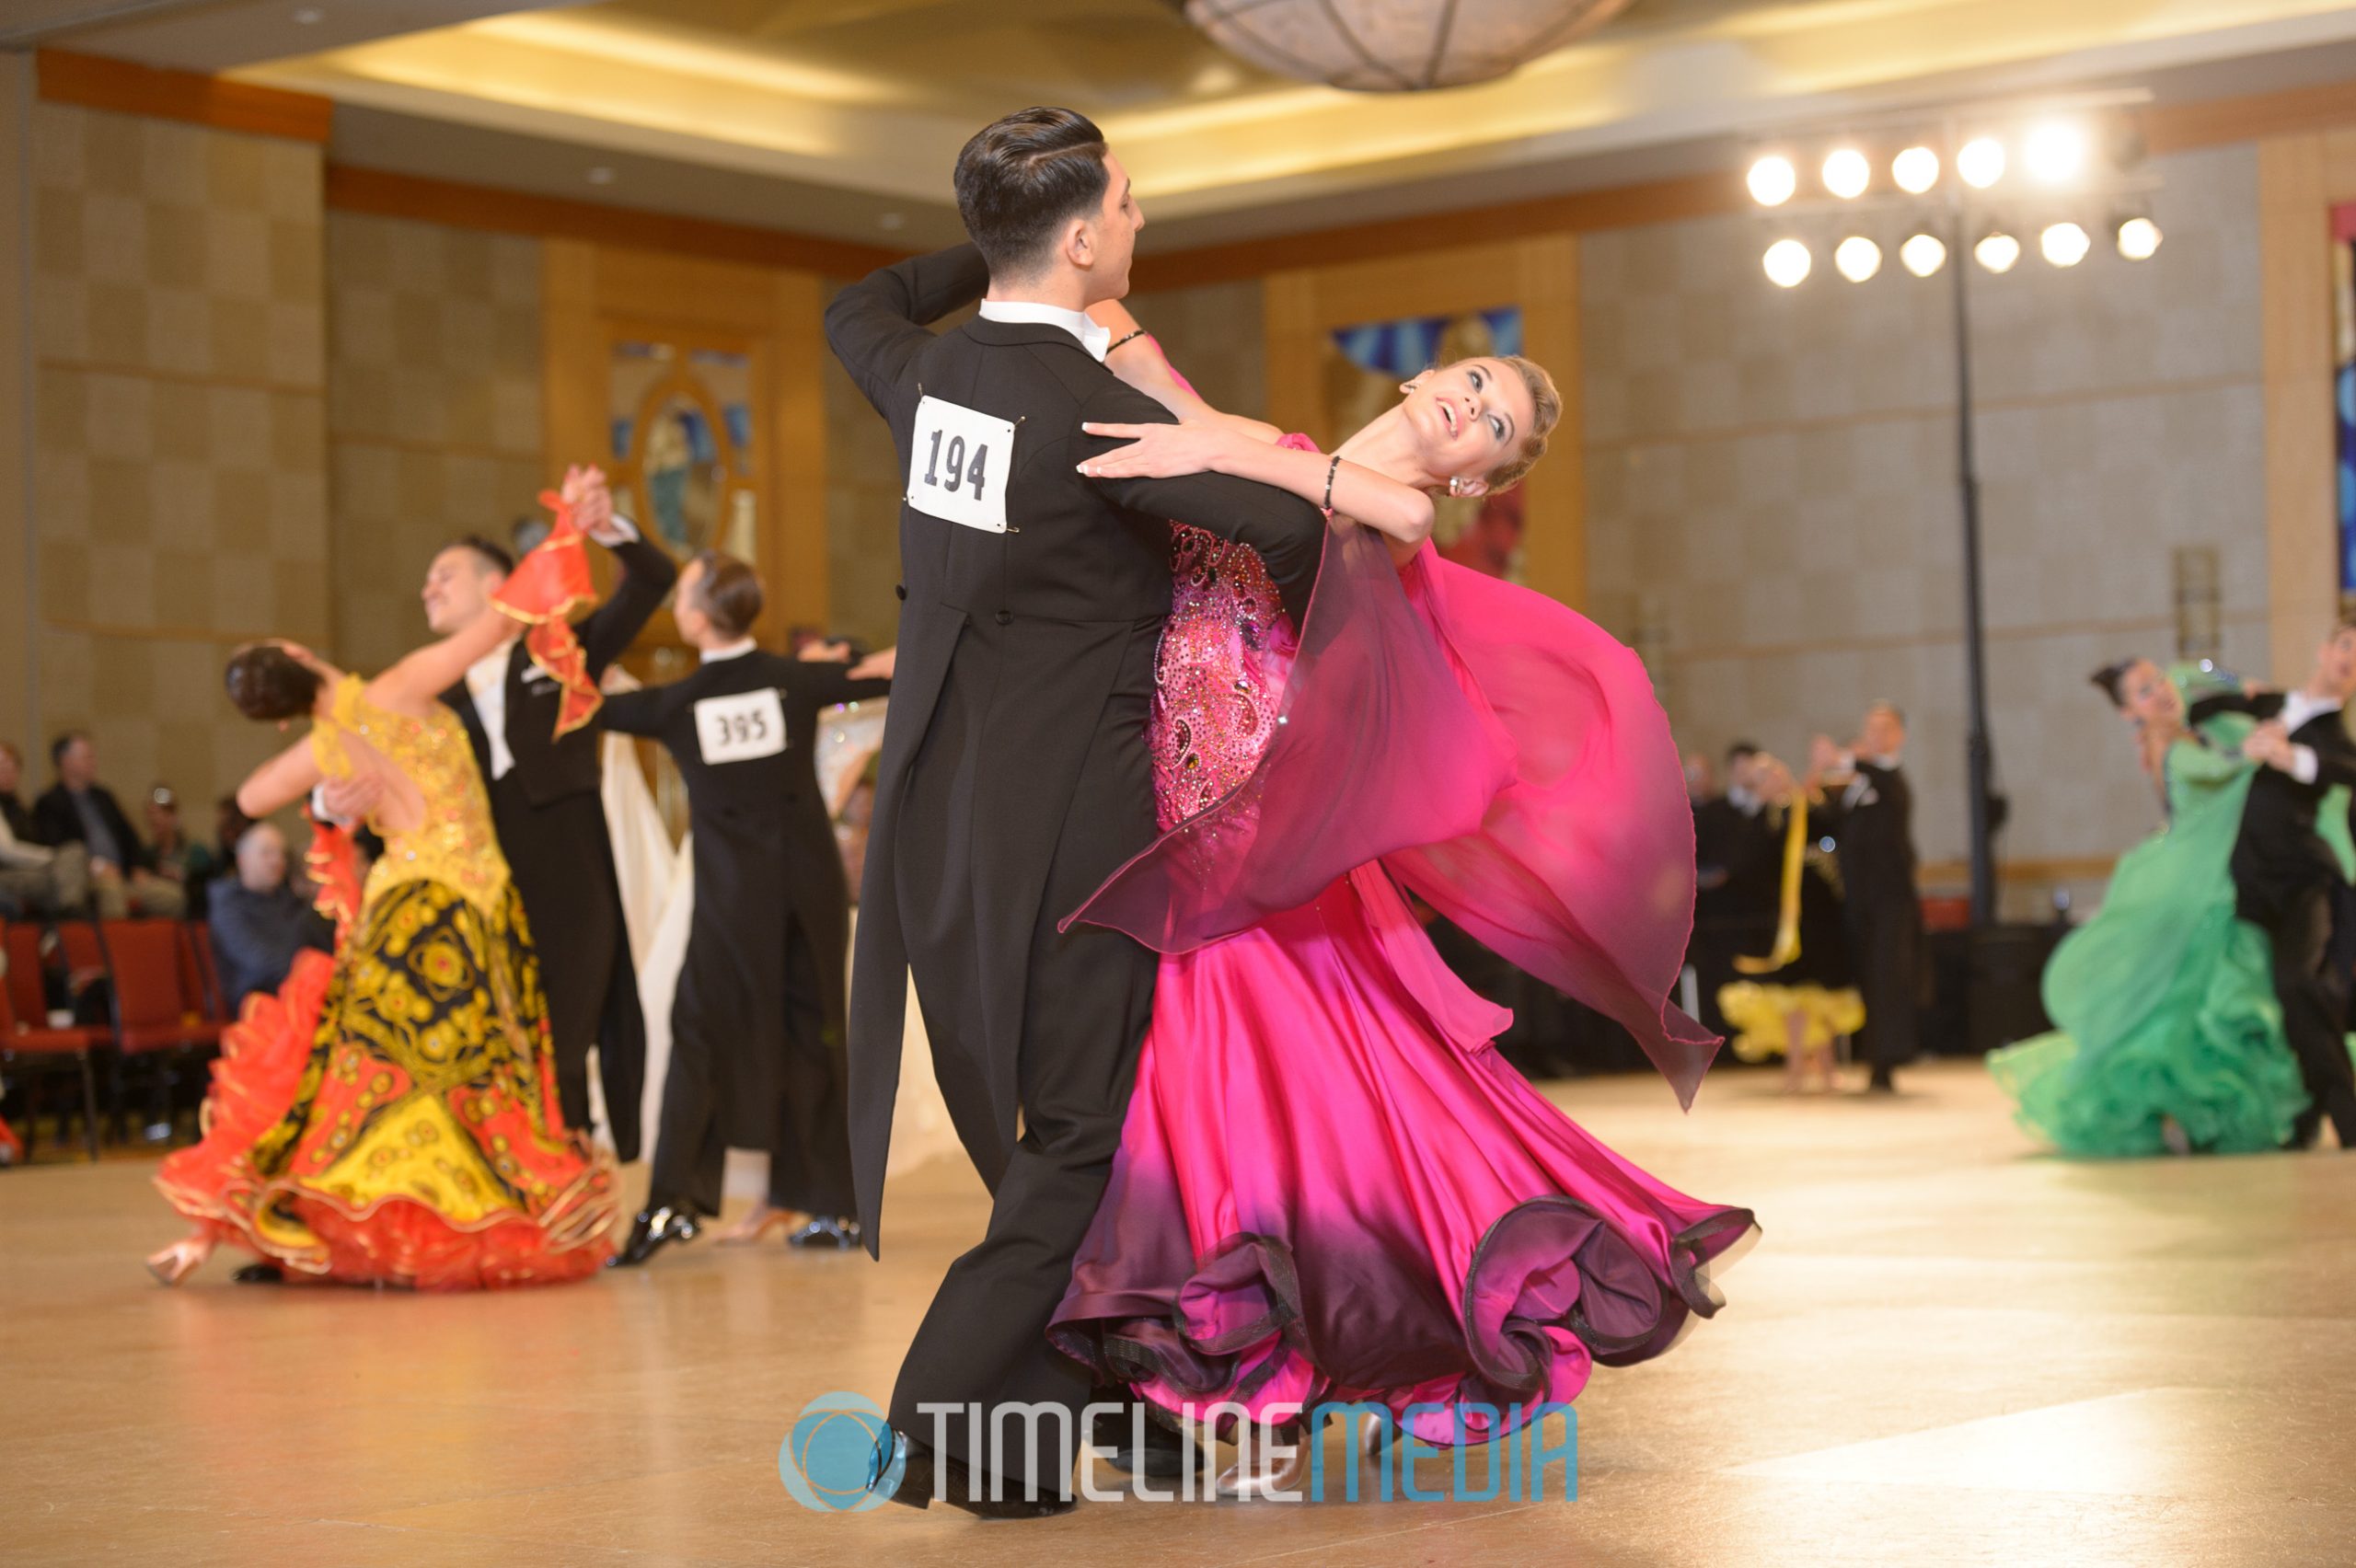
(1138, 360)
(1401, 514)
(280, 783)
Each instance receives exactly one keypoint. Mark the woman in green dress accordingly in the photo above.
(2168, 1035)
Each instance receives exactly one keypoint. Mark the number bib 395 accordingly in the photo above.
(957, 465)
(740, 728)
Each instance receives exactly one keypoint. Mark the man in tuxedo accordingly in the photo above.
(547, 805)
(1738, 859)
(757, 1027)
(2286, 879)
(1872, 814)
(78, 810)
(1014, 775)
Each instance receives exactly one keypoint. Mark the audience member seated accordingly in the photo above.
(260, 919)
(35, 878)
(79, 809)
(179, 859)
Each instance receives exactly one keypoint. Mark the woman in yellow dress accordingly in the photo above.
(390, 1117)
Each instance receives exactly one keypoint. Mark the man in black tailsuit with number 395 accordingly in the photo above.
(1014, 775)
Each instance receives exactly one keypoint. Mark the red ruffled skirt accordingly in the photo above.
(390, 1118)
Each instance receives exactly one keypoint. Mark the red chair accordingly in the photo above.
(200, 977)
(25, 1037)
(153, 1015)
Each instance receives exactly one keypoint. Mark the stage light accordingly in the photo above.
(1923, 255)
(2138, 238)
(2055, 152)
(1998, 251)
(1981, 162)
(1772, 181)
(1846, 173)
(1787, 262)
(1857, 258)
(1916, 170)
(2065, 244)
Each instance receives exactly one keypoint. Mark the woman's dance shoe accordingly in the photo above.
(179, 1259)
(1274, 1473)
(758, 1223)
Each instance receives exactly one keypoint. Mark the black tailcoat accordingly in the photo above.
(1875, 828)
(551, 816)
(768, 873)
(1014, 778)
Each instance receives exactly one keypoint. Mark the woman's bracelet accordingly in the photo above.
(1331, 470)
(1123, 338)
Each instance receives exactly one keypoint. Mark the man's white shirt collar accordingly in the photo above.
(1092, 337)
(2299, 710)
(487, 683)
(735, 649)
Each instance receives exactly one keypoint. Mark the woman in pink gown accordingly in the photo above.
(1330, 1186)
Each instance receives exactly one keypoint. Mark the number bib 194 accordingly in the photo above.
(740, 728)
(957, 465)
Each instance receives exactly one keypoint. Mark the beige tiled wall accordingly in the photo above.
(435, 428)
(180, 468)
(1772, 511)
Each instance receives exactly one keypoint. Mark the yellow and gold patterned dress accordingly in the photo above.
(392, 1118)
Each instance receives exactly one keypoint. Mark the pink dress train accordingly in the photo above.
(1330, 1186)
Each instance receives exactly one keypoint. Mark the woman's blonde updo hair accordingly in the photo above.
(1546, 411)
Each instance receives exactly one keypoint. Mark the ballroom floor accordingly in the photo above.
(1946, 1349)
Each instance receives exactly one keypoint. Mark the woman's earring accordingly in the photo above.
(1455, 483)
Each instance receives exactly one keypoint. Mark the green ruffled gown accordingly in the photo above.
(2165, 1000)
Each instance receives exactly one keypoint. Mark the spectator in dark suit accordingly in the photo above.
(35, 878)
(79, 809)
(260, 921)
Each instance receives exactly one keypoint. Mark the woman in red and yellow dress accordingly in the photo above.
(390, 1116)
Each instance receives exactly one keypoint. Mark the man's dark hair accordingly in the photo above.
(58, 746)
(267, 682)
(730, 592)
(1021, 180)
(1740, 750)
(493, 555)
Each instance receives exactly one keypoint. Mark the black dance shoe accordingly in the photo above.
(652, 1231)
(923, 1473)
(841, 1234)
(259, 1273)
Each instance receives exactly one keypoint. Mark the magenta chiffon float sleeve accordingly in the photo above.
(1499, 754)
(1581, 872)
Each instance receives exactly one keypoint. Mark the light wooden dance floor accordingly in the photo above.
(1946, 1349)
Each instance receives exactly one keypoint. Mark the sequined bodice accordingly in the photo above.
(1218, 676)
(456, 843)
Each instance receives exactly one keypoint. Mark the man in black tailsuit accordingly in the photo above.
(1014, 775)
(757, 1027)
(2286, 879)
(548, 807)
(1872, 815)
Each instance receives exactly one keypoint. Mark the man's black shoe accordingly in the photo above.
(259, 1273)
(924, 1474)
(652, 1231)
(841, 1234)
(1166, 1456)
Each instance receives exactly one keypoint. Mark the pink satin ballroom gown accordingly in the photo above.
(1330, 1185)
